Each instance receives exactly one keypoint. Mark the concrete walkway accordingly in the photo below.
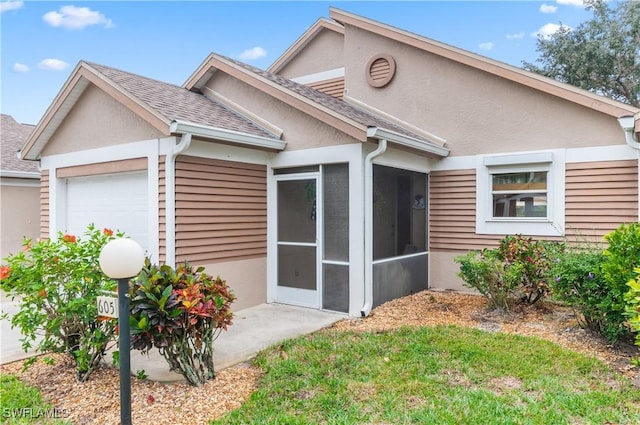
(10, 345)
(253, 330)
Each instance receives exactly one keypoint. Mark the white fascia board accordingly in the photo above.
(20, 174)
(410, 142)
(232, 136)
(320, 76)
(105, 154)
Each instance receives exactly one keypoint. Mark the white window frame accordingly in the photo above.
(553, 162)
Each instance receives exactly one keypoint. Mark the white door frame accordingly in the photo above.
(296, 296)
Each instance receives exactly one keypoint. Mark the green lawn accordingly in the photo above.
(442, 375)
(22, 404)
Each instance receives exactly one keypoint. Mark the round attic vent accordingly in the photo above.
(380, 70)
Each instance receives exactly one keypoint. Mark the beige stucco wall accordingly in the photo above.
(98, 120)
(443, 272)
(476, 112)
(323, 53)
(300, 130)
(19, 215)
(247, 279)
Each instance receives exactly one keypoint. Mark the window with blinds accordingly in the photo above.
(520, 194)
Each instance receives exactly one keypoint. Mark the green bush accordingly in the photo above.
(487, 274)
(57, 283)
(532, 259)
(577, 280)
(517, 269)
(633, 305)
(181, 312)
(622, 256)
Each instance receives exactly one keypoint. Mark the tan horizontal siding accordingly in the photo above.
(223, 255)
(44, 204)
(452, 212)
(333, 87)
(221, 210)
(599, 197)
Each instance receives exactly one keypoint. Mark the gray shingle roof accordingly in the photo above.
(177, 103)
(12, 137)
(336, 105)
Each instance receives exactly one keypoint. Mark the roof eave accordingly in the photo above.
(20, 174)
(406, 141)
(302, 41)
(201, 75)
(229, 136)
(73, 88)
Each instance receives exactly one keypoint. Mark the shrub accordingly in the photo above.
(57, 283)
(633, 305)
(518, 268)
(484, 272)
(622, 256)
(180, 312)
(533, 260)
(576, 279)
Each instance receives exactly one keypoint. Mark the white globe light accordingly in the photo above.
(121, 258)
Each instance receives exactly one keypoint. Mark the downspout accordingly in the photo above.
(628, 126)
(170, 197)
(368, 226)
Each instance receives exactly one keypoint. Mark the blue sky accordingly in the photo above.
(42, 41)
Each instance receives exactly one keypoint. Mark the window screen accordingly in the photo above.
(399, 212)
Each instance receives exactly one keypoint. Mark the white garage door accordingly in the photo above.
(116, 201)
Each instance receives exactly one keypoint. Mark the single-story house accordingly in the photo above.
(19, 189)
(350, 172)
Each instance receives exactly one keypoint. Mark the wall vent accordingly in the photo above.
(380, 70)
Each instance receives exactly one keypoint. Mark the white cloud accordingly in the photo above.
(72, 17)
(253, 53)
(571, 2)
(20, 67)
(53, 65)
(6, 6)
(486, 46)
(547, 8)
(515, 36)
(547, 30)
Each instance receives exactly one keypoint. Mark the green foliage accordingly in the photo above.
(23, 404)
(486, 274)
(181, 312)
(56, 283)
(576, 279)
(518, 268)
(633, 305)
(622, 257)
(141, 374)
(532, 260)
(601, 55)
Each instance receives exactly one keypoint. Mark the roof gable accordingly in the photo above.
(158, 103)
(538, 82)
(314, 30)
(343, 116)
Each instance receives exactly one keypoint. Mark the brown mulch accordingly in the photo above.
(97, 401)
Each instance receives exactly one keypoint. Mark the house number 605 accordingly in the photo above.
(108, 306)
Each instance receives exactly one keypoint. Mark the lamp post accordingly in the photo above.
(122, 259)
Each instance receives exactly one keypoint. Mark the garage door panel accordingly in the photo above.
(117, 201)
